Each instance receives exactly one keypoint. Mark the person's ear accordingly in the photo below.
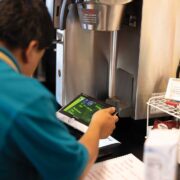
(31, 51)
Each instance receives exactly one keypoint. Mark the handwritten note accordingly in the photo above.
(126, 167)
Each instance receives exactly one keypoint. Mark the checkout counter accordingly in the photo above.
(131, 134)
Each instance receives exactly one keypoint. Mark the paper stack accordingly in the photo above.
(126, 167)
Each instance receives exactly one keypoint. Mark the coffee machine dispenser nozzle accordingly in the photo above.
(101, 15)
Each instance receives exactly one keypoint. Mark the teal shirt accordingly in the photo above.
(33, 143)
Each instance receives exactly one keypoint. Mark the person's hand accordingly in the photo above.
(104, 121)
(101, 126)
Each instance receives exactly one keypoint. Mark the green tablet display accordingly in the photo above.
(82, 108)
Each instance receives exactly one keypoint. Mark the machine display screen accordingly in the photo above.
(82, 108)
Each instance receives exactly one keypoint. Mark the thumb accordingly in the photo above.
(111, 110)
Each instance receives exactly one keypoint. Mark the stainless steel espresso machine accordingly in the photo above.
(101, 52)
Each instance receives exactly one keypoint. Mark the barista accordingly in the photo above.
(33, 143)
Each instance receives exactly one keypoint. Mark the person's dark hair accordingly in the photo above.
(22, 21)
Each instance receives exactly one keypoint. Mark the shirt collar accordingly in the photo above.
(6, 56)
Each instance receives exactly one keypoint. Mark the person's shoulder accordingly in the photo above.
(20, 90)
(34, 87)
(17, 83)
(31, 85)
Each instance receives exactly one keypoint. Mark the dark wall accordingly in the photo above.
(49, 66)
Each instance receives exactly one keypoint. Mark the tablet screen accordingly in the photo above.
(82, 108)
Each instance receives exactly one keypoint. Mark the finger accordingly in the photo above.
(112, 129)
(116, 118)
(111, 110)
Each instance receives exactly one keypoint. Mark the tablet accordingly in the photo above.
(78, 114)
(82, 108)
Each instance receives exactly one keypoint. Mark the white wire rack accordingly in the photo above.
(159, 102)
